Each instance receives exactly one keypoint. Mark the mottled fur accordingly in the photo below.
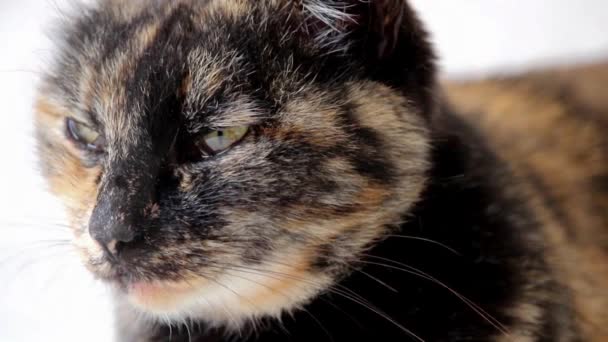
(561, 168)
(318, 224)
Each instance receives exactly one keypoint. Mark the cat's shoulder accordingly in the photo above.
(551, 128)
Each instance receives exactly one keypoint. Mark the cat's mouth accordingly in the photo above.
(218, 295)
(153, 296)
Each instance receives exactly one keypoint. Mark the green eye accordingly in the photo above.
(221, 140)
(84, 135)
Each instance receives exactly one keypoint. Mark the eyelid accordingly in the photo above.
(81, 122)
(84, 135)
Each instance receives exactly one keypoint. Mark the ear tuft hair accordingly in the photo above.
(383, 35)
(329, 22)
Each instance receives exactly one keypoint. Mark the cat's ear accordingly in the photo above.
(385, 36)
(378, 24)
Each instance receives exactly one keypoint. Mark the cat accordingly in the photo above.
(284, 170)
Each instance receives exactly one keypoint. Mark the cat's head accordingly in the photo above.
(231, 159)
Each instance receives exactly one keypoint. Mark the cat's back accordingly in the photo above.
(551, 128)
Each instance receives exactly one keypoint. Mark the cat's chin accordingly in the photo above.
(163, 297)
(175, 302)
(228, 301)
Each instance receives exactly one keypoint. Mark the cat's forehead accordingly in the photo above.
(125, 62)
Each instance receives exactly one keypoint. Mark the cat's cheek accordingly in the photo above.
(73, 183)
(78, 198)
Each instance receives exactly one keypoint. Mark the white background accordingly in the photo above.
(45, 294)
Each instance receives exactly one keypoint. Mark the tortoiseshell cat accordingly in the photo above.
(282, 170)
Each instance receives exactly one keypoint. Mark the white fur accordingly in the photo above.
(334, 16)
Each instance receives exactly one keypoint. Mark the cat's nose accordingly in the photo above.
(113, 220)
(125, 190)
(111, 230)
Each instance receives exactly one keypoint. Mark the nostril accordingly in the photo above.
(114, 248)
(107, 224)
(110, 249)
(111, 237)
(123, 234)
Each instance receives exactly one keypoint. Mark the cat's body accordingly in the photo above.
(361, 203)
(551, 128)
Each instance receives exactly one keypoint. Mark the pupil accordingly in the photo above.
(220, 133)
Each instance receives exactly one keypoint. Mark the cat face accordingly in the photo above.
(228, 160)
